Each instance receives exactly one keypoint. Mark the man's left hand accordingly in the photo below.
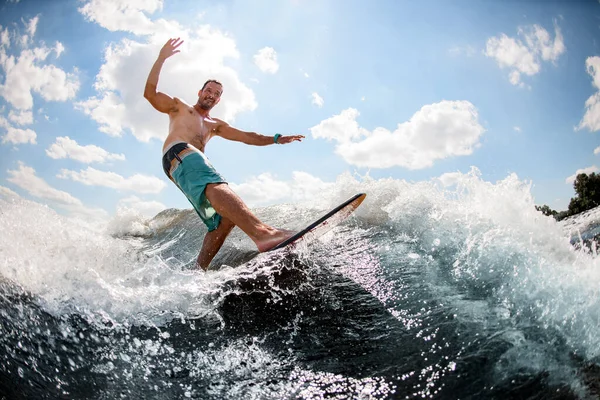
(289, 139)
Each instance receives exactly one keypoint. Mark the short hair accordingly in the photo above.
(213, 81)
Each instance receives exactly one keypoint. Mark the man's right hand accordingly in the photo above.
(170, 48)
(161, 101)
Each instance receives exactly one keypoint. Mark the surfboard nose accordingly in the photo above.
(327, 221)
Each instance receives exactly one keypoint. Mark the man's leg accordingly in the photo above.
(229, 205)
(213, 242)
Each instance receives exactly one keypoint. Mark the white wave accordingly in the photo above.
(491, 231)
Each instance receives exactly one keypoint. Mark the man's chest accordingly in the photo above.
(197, 123)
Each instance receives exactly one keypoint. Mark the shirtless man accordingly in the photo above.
(184, 162)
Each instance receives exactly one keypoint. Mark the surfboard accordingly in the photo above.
(326, 222)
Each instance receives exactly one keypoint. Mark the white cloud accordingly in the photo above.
(32, 25)
(108, 111)
(30, 28)
(5, 38)
(146, 208)
(64, 147)
(317, 100)
(136, 183)
(7, 193)
(511, 53)
(342, 127)
(25, 177)
(450, 178)
(19, 136)
(59, 49)
(266, 60)
(267, 189)
(592, 65)
(539, 41)
(120, 15)
(15, 135)
(21, 118)
(597, 150)
(591, 118)
(262, 189)
(120, 106)
(588, 170)
(29, 72)
(525, 57)
(517, 128)
(515, 78)
(436, 131)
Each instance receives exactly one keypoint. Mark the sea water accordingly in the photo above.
(426, 291)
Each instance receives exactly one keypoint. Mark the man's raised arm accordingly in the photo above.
(161, 101)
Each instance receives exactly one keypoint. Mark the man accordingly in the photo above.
(184, 162)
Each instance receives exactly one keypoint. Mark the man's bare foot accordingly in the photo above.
(272, 240)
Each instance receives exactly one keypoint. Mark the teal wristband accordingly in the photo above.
(276, 137)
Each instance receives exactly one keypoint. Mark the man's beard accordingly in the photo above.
(203, 105)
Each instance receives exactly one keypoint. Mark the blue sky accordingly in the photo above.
(394, 89)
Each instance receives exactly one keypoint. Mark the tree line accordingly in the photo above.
(587, 196)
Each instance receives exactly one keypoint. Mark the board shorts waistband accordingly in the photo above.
(173, 156)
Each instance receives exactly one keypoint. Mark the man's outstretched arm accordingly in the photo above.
(161, 101)
(253, 138)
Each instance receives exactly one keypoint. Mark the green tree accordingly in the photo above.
(587, 188)
(546, 210)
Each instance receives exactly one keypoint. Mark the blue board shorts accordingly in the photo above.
(191, 171)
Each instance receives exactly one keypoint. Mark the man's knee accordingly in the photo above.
(226, 225)
(212, 187)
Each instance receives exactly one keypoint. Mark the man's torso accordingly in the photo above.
(187, 125)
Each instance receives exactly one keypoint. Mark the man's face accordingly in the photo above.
(210, 95)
